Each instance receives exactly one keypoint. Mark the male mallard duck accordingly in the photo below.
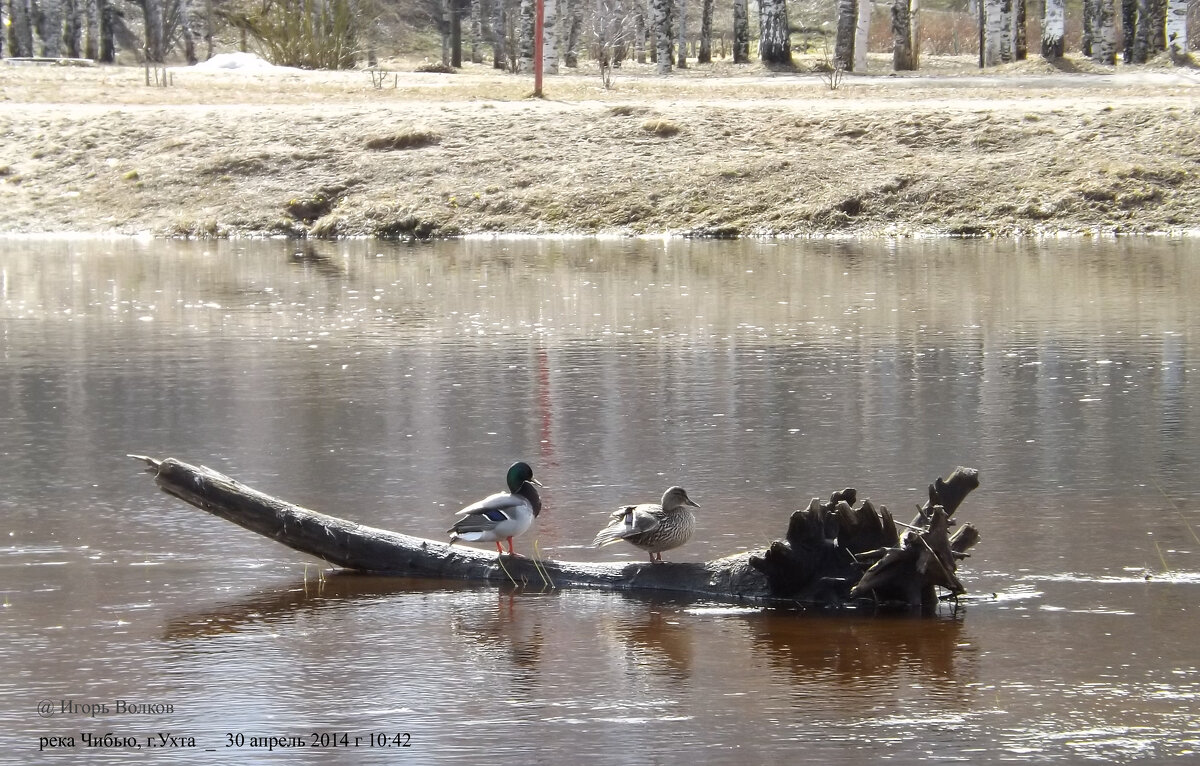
(501, 516)
(653, 528)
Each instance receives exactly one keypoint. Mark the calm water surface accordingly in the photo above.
(393, 384)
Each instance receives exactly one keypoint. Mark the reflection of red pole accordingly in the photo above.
(539, 33)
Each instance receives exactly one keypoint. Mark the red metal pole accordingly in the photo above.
(539, 34)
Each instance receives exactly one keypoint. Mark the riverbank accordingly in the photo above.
(716, 150)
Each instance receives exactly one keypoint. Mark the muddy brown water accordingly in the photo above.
(392, 384)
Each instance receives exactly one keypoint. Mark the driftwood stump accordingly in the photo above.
(834, 553)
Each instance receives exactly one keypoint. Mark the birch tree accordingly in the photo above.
(1176, 29)
(774, 39)
(903, 52)
(1054, 29)
(475, 18)
(1006, 31)
(660, 20)
(525, 43)
(497, 24)
(549, 36)
(993, 32)
(862, 35)
(741, 32)
(847, 27)
(639, 31)
(704, 55)
(681, 42)
(20, 28)
(572, 26)
(1104, 33)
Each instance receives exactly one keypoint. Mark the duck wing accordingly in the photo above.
(629, 521)
(490, 512)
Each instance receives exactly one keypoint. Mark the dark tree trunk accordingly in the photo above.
(154, 31)
(1020, 40)
(20, 29)
(108, 46)
(1129, 16)
(825, 559)
(1143, 17)
(455, 34)
(1089, 23)
(847, 25)
(902, 45)
(186, 33)
(704, 55)
(73, 28)
(741, 32)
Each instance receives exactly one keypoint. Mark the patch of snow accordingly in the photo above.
(236, 61)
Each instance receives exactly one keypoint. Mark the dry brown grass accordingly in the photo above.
(752, 153)
(405, 139)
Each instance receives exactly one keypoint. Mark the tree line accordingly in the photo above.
(342, 33)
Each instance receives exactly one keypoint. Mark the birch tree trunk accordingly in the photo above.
(1054, 26)
(993, 32)
(51, 27)
(638, 21)
(774, 40)
(681, 42)
(1104, 41)
(525, 46)
(573, 17)
(1158, 24)
(862, 35)
(843, 43)
(1176, 30)
(614, 20)
(741, 32)
(20, 28)
(704, 56)
(499, 55)
(476, 31)
(549, 36)
(1006, 30)
(902, 46)
(660, 19)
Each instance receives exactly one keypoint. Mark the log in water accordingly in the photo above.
(834, 553)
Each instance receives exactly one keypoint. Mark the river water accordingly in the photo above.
(392, 384)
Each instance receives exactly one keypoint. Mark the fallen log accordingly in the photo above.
(816, 564)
